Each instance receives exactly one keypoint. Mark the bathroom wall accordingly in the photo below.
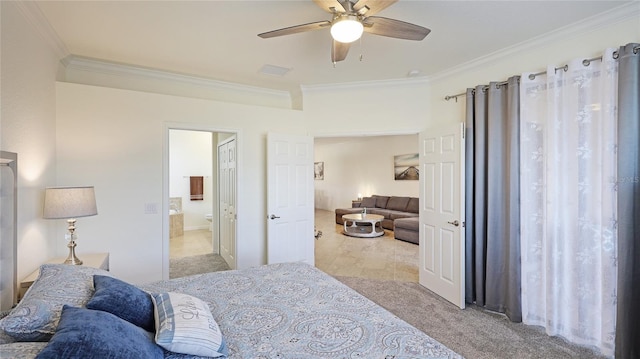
(190, 154)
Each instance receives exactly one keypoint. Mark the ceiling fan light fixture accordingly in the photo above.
(346, 29)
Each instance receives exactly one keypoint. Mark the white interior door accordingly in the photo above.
(290, 204)
(227, 201)
(442, 212)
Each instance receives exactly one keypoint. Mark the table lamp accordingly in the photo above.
(70, 203)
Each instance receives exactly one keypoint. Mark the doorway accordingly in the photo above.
(193, 234)
(191, 194)
(361, 166)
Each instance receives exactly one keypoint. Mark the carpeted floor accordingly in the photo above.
(182, 267)
(472, 332)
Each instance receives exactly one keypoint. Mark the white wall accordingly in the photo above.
(415, 104)
(190, 154)
(364, 165)
(28, 69)
(384, 108)
(585, 40)
(118, 143)
(114, 139)
(118, 139)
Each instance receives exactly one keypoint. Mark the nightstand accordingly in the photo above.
(355, 203)
(95, 260)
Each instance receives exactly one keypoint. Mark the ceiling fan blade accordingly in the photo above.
(394, 28)
(295, 29)
(372, 7)
(327, 5)
(339, 51)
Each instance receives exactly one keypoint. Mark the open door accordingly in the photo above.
(227, 200)
(290, 203)
(442, 244)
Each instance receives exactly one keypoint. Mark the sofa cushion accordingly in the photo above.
(414, 205)
(381, 201)
(368, 202)
(411, 223)
(398, 203)
(381, 212)
(400, 214)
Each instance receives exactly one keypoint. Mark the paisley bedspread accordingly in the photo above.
(294, 310)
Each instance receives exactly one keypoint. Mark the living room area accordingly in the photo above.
(346, 170)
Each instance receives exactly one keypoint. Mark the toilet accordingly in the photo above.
(209, 217)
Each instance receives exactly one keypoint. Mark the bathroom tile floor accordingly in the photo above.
(374, 258)
(192, 243)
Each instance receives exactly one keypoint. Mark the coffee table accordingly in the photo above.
(357, 229)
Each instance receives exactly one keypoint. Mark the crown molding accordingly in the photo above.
(36, 18)
(615, 15)
(365, 133)
(80, 63)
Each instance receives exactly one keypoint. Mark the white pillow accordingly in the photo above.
(184, 324)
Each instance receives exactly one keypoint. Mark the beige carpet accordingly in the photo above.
(204, 263)
(472, 332)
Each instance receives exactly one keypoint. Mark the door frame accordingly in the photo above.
(168, 126)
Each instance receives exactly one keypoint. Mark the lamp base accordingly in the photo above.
(72, 259)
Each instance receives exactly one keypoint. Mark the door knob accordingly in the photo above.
(455, 223)
(273, 216)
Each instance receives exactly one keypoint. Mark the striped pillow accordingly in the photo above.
(184, 324)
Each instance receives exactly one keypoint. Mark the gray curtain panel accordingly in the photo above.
(628, 317)
(493, 198)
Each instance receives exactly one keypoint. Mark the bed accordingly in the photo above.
(290, 310)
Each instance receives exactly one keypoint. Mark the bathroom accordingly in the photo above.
(192, 192)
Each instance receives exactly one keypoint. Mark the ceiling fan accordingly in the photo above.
(350, 20)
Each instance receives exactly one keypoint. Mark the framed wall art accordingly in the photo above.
(318, 170)
(406, 167)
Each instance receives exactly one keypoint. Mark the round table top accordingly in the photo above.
(363, 217)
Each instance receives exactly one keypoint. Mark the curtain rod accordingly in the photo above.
(484, 88)
(449, 97)
(585, 62)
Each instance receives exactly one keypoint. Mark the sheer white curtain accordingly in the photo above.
(568, 213)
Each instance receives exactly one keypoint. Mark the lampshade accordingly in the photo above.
(69, 202)
(346, 29)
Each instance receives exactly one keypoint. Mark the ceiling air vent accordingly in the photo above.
(274, 70)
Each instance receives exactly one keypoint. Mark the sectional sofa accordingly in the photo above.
(400, 214)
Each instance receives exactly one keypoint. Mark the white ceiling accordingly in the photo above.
(218, 39)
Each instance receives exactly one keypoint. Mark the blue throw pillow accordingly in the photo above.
(123, 300)
(85, 333)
